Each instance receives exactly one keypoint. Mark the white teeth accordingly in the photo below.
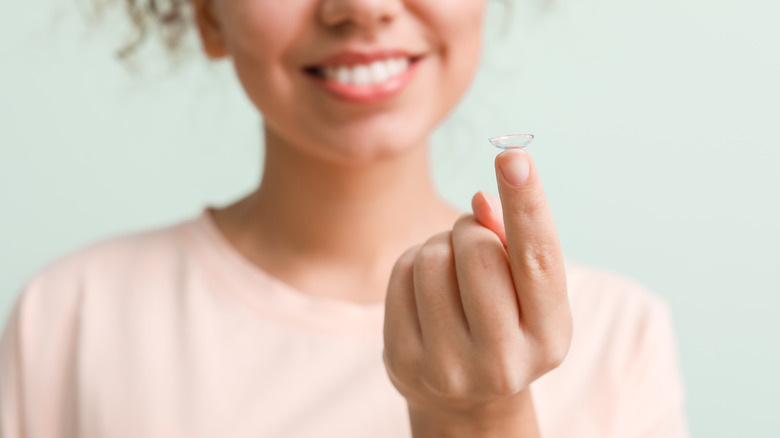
(343, 75)
(379, 72)
(392, 67)
(367, 74)
(403, 64)
(361, 75)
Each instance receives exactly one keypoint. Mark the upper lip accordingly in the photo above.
(349, 57)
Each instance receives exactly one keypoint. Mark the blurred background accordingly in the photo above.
(656, 130)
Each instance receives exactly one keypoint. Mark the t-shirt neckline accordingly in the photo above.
(274, 299)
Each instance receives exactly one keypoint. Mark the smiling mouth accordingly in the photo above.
(364, 74)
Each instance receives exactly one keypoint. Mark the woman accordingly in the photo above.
(342, 297)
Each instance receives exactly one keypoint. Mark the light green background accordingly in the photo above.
(657, 138)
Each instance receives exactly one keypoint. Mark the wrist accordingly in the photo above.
(511, 417)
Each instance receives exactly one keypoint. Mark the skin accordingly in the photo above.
(475, 311)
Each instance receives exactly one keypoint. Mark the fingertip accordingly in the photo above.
(479, 202)
(484, 210)
(514, 166)
(511, 152)
(487, 212)
(495, 204)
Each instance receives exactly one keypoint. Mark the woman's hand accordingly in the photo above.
(474, 315)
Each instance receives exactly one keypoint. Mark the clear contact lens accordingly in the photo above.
(514, 141)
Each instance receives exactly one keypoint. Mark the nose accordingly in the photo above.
(361, 14)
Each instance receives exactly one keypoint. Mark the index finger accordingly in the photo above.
(532, 242)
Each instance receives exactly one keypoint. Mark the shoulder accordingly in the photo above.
(59, 287)
(621, 328)
(596, 292)
(105, 256)
(43, 339)
(621, 376)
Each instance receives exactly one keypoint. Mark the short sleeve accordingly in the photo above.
(652, 400)
(10, 380)
(37, 361)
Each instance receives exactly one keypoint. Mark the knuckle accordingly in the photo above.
(506, 373)
(553, 353)
(465, 220)
(434, 254)
(447, 380)
(400, 362)
(443, 237)
(543, 257)
(506, 384)
(401, 369)
(406, 260)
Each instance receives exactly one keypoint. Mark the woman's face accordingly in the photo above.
(349, 80)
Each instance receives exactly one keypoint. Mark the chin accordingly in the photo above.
(367, 150)
(361, 142)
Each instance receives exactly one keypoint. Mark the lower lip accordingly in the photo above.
(367, 94)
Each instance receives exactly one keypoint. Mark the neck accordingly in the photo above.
(313, 222)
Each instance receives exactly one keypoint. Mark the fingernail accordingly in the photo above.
(514, 166)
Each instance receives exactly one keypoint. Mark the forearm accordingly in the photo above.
(516, 419)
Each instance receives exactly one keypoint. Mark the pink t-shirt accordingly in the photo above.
(172, 333)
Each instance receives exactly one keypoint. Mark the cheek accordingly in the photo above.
(258, 35)
(458, 29)
(455, 27)
(251, 24)
(462, 31)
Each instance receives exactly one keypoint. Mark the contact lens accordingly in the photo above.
(514, 141)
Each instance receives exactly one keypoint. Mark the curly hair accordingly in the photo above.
(171, 19)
